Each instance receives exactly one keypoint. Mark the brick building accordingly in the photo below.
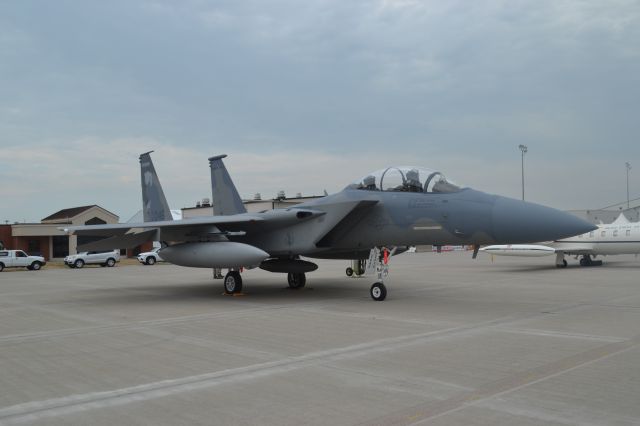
(46, 239)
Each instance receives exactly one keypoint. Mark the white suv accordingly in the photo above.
(102, 258)
(150, 257)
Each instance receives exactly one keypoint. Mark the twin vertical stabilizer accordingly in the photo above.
(154, 204)
(225, 197)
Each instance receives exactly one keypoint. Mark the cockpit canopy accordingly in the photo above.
(405, 179)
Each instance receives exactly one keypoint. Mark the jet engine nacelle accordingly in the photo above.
(222, 254)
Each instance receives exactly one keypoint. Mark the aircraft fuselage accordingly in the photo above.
(382, 218)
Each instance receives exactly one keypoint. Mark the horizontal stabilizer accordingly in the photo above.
(126, 241)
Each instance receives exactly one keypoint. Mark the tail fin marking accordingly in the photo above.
(224, 195)
(154, 203)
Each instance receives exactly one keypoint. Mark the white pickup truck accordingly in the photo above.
(102, 258)
(20, 259)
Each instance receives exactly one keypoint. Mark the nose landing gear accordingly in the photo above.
(379, 263)
(378, 291)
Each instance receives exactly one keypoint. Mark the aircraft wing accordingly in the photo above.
(123, 228)
(573, 248)
(535, 250)
(128, 235)
(519, 250)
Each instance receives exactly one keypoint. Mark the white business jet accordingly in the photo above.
(619, 237)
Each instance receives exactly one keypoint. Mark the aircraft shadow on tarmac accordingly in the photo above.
(324, 289)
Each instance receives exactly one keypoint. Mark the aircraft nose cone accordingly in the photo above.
(516, 221)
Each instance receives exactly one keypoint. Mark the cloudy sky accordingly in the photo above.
(310, 95)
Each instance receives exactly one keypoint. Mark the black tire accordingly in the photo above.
(78, 264)
(36, 266)
(1, 266)
(296, 280)
(232, 282)
(378, 292)
(151, 260)
(111, 262)
(349, 271)
(586, 261)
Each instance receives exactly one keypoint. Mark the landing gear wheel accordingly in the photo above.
(562, 265)
(296, 280)
(349, 271)
(150, 260)
(232, 282)
(378, 292)
(78, 263)
(586, 261)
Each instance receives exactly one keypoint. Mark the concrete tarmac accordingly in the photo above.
(513, 341)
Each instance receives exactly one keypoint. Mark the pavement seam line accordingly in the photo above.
(424, 412)
(30, 411)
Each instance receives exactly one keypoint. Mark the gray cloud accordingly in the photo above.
(452, 85)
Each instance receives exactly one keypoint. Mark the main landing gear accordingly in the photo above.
(296, 279)
(357, 268)
(562, 265)
(586, 260)
(232, 282)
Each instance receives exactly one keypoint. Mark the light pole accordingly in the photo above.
(524, 150)
(628, 168)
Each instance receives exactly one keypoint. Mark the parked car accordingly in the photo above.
(102, 258)
(150, 257)
(20, 259)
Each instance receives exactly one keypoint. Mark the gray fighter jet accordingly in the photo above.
(377, 216)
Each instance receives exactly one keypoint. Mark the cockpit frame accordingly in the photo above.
(435, 182)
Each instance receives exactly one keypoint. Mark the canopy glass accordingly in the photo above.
(406, 179)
